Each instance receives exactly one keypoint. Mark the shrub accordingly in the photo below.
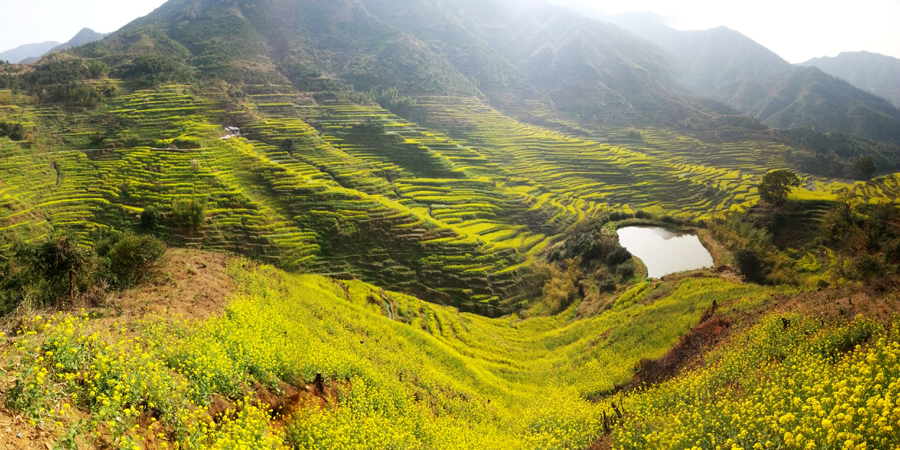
(52, 267)
(130, 258)
(625, 271)
(865, 267)
(154, 69)
(98, 69)
(607, 285)
(618, 215)
(618, 256)
(559, 292)
(644, 215)
(190, 214)
(749, 263)
(15, 131)
(150, 218)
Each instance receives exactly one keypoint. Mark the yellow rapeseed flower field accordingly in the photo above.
(404, 374)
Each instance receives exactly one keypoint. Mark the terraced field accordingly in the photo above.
(310, 207)
(451, 207)
(585, 175)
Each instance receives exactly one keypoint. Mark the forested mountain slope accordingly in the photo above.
(514, 53)
(85, 36)
(731, 68)
(871, 72)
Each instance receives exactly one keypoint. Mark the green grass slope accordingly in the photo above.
(298, 361)
(399, 372)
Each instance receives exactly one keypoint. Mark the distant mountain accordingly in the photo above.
(708, 59)
(85, 36)
(513, 53)
(808, 97)
(534, 49)
(17, 54)
(878, 74)
(31, 53)
(733, 69)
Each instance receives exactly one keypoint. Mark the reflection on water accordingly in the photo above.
(664, 251)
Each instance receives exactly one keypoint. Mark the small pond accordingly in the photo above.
(664, 251)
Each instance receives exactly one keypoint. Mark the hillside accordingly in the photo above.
(707, 59)
(585, 68)
(27, 51)
(370, 224)
(451, 48)
(733, 69)
(809, 97)
(454, 201)
(310, 362)
(871, 72)
(85, 36)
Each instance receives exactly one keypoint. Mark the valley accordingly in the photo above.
(360, 224)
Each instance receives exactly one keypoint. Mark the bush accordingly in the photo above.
(607, 285)
(154, 69)
(15, 131)
(51, 269)
(130, 258)
(643, 215)
(618, 256)
(190, 214)
(98, 69)
(150, 218)
(865, 267)
(749, 263)
(618, 215)
(626, 271)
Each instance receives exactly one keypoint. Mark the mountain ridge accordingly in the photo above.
(23, 52)
(872, 72)
(732, 68)
(31, 53)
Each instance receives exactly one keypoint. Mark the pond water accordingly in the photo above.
(664, 251)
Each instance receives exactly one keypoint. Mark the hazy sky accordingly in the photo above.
(32, 21)
(795, 29)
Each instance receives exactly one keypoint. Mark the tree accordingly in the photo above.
(287, 145)
(55, 261)
(865, 165)
(776, 186)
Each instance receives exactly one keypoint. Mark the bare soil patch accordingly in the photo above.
(193, 284)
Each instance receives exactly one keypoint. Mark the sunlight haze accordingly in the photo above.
(33, 21)
(797, 30)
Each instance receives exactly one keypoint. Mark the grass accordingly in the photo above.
(405, 373)
(339, 188)
(449, 205)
